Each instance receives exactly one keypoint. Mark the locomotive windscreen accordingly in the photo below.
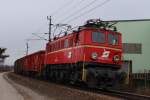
(98, 37)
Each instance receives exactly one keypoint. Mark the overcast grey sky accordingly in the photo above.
(20, 18)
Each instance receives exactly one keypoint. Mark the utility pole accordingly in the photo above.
(27, 48)
(50, 24)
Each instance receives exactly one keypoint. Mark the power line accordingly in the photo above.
(79, 10)
(54, 31)
(27, 44)
(77, 4)
(89, 4)
(82, 14)
(60, 8)
(41, 38)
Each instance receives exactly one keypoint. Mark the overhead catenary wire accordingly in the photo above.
(87, 11)
(30, 39)
(41, 38)
(54, 31)
(69, 30)
(58, 10)
(79, 10)
(77, 4)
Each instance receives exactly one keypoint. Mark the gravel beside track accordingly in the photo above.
(55, 91)
(126, 95)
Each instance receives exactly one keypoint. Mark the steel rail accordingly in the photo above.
(124, 95)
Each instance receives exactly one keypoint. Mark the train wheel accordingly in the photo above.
(91, 80)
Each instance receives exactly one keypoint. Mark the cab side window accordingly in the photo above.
(66, 43)
(98, 37)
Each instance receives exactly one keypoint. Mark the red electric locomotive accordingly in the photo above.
(91, 55)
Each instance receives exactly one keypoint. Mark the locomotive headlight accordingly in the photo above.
(94, 55)
(116, 58)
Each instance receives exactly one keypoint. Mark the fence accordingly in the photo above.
(141, 80)
(6, 68)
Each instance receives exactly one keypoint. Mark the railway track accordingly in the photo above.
(124, 95)
(114, 93)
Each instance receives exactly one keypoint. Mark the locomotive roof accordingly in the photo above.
(81, 28)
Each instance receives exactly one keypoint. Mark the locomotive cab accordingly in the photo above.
(102, 53)
(102, 46)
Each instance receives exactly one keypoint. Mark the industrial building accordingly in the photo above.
(136, 43)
